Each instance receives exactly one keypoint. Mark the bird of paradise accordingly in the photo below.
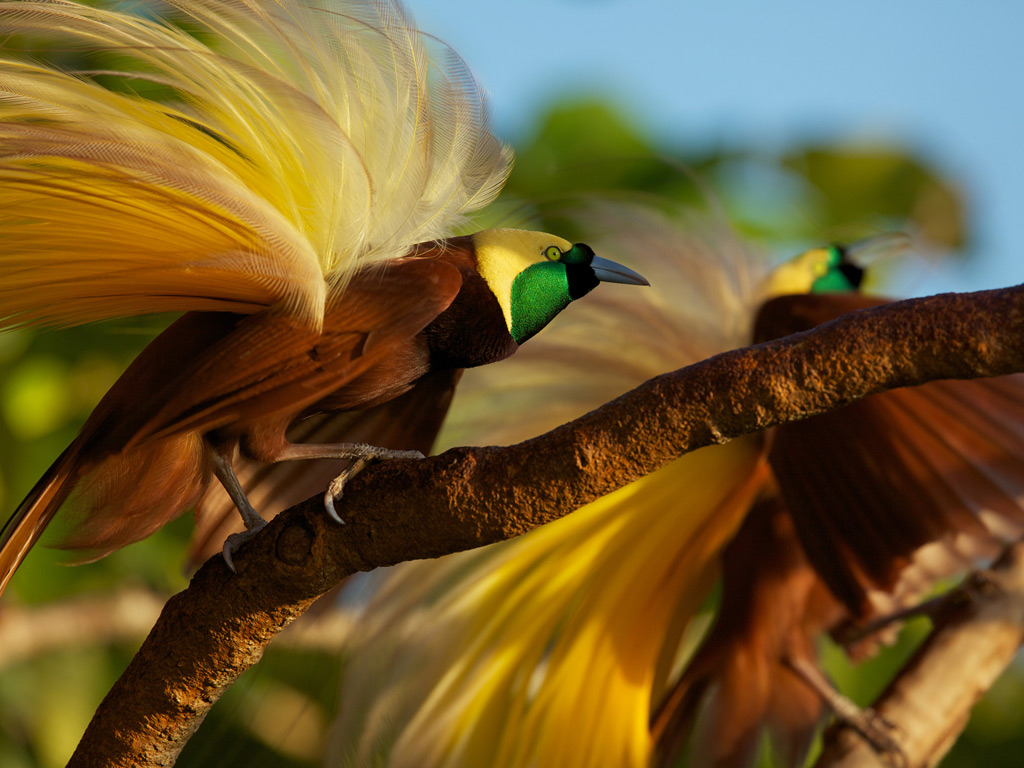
(575, 644)
(288, 174)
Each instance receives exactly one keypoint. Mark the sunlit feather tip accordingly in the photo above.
(232, 166)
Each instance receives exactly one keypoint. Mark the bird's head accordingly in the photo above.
(835, 268)
(534, 276)
(818, 270)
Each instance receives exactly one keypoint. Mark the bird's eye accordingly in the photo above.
(552, 253)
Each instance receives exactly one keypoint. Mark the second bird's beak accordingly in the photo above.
(856, 256)
(610, 272)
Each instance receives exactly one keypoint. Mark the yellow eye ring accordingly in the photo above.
(552, 253)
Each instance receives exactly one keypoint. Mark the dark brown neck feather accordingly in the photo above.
(472, 331)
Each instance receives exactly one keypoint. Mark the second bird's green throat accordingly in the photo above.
(840, 274)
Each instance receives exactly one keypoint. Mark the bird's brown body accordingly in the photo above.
(270, 177)
(218, 382)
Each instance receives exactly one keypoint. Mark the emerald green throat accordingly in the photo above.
(538, 294)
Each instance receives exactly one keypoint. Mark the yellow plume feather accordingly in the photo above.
(280, 147)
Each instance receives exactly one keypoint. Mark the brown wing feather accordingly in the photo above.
(140, 460)
(784, 315)
(863, 489)
(99, 447)
(278, 366)
(263, 365)
(408, 422)
(871, 483)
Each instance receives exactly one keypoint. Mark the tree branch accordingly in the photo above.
(930, 701)
(467, 497)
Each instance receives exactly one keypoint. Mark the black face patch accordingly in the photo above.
(852, 272)
(582, 280)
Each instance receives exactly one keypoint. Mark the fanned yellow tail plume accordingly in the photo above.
(509, 643)
(244, 154)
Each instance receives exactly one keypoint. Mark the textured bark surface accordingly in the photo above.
(467, 497)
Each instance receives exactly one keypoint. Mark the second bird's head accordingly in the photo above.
(534, 275)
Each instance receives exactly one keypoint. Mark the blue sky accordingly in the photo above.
(946, 78)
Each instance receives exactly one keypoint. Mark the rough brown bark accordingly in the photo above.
(468, 497)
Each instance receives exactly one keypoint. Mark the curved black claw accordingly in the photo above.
(235, 541)
(335, 489)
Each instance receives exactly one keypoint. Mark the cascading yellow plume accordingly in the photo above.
(477, 659)
(274, 147)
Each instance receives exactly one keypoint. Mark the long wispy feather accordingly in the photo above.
(224, 154)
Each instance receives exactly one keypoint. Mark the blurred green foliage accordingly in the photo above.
(804, 196)
(49, 381)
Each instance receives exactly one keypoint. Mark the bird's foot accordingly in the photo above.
(235, 541)
(878, 732)
(252, 520)
(874, 728)
(335, 489)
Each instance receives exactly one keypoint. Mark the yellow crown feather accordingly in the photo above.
(282, 146)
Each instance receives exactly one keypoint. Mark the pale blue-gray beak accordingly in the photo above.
(609, 272)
